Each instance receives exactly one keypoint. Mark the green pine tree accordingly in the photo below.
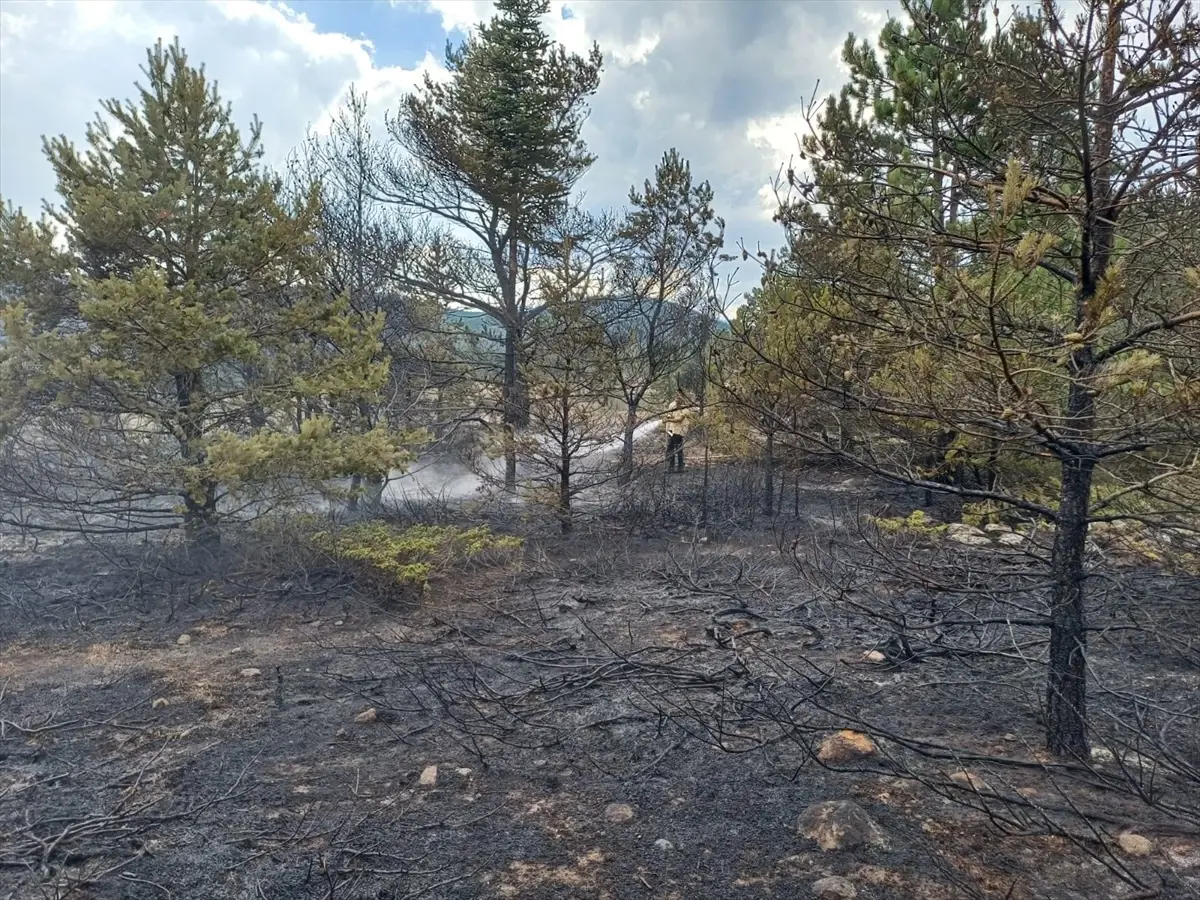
(182, 345)
(491, 156)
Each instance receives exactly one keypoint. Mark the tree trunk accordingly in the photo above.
(564, 467)
(200, 523)
(769, 475)
(355, 490)
(564, 497)
(200, 503)
(375, 485)
(510, 409)
(1066, 692)
(626, 474)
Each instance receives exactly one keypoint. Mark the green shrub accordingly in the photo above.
(411, 556)
(915, 523)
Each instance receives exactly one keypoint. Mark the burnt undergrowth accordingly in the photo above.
(260, 727)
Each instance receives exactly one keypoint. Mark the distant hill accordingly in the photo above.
(481, 323)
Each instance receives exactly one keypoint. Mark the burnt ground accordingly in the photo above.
(688, 677)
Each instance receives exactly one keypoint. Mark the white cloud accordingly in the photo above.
(777, 135)
(267, 60)
(719, 81)
(637, 52)
(457, 15)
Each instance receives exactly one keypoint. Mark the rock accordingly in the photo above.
(967, 534)
(994, 528)
(1102, 755)
(366, 717)
(874, 656)
(966, 779)
(251, 673)
(838, 825)
(429, 776)
(846, 746)
(339, 623)
(160, 702)
(183, 639)
(1010, 737)
(463, 772)
(618, 813)
(1132, 844)
(1011, 539)
(664, 845)
(834, 888)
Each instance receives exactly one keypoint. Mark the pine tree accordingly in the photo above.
(1046, 329)
(195, 329)
(671, 237)
(489, 158)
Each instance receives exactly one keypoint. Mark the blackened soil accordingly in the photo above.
(278, 751)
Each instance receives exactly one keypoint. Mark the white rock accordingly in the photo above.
(967, 534)
(834, 888)
(664, 845)
(429, 776)
(251, 673)
(618, 813)
(367, 716)
(184, 638)
(1134, 844)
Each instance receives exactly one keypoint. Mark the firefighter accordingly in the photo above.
(675, 422)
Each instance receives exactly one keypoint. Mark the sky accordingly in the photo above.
(722, 81)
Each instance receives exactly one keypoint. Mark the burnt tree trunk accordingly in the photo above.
(200, 499)
(769, 475)
(512, 404)
(1066, 690)
(626, 474)
(564, 468)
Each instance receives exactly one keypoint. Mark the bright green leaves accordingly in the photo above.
(190, 300)
(398, 557)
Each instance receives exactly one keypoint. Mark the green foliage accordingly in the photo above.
(411, 556)
(571, 387)
(186, 327)
(507, 121)
(916, 523)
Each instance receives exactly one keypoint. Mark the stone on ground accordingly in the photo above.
(970, 780)
(846, 746)
(429, 776)
(839, 825)
(367, 716)
(618, 813)
(968, 535)
(251, 673)
(1132, 844)
(834, 888)
(183, 639)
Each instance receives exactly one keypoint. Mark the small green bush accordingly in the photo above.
(411, 556)
(915, 523)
